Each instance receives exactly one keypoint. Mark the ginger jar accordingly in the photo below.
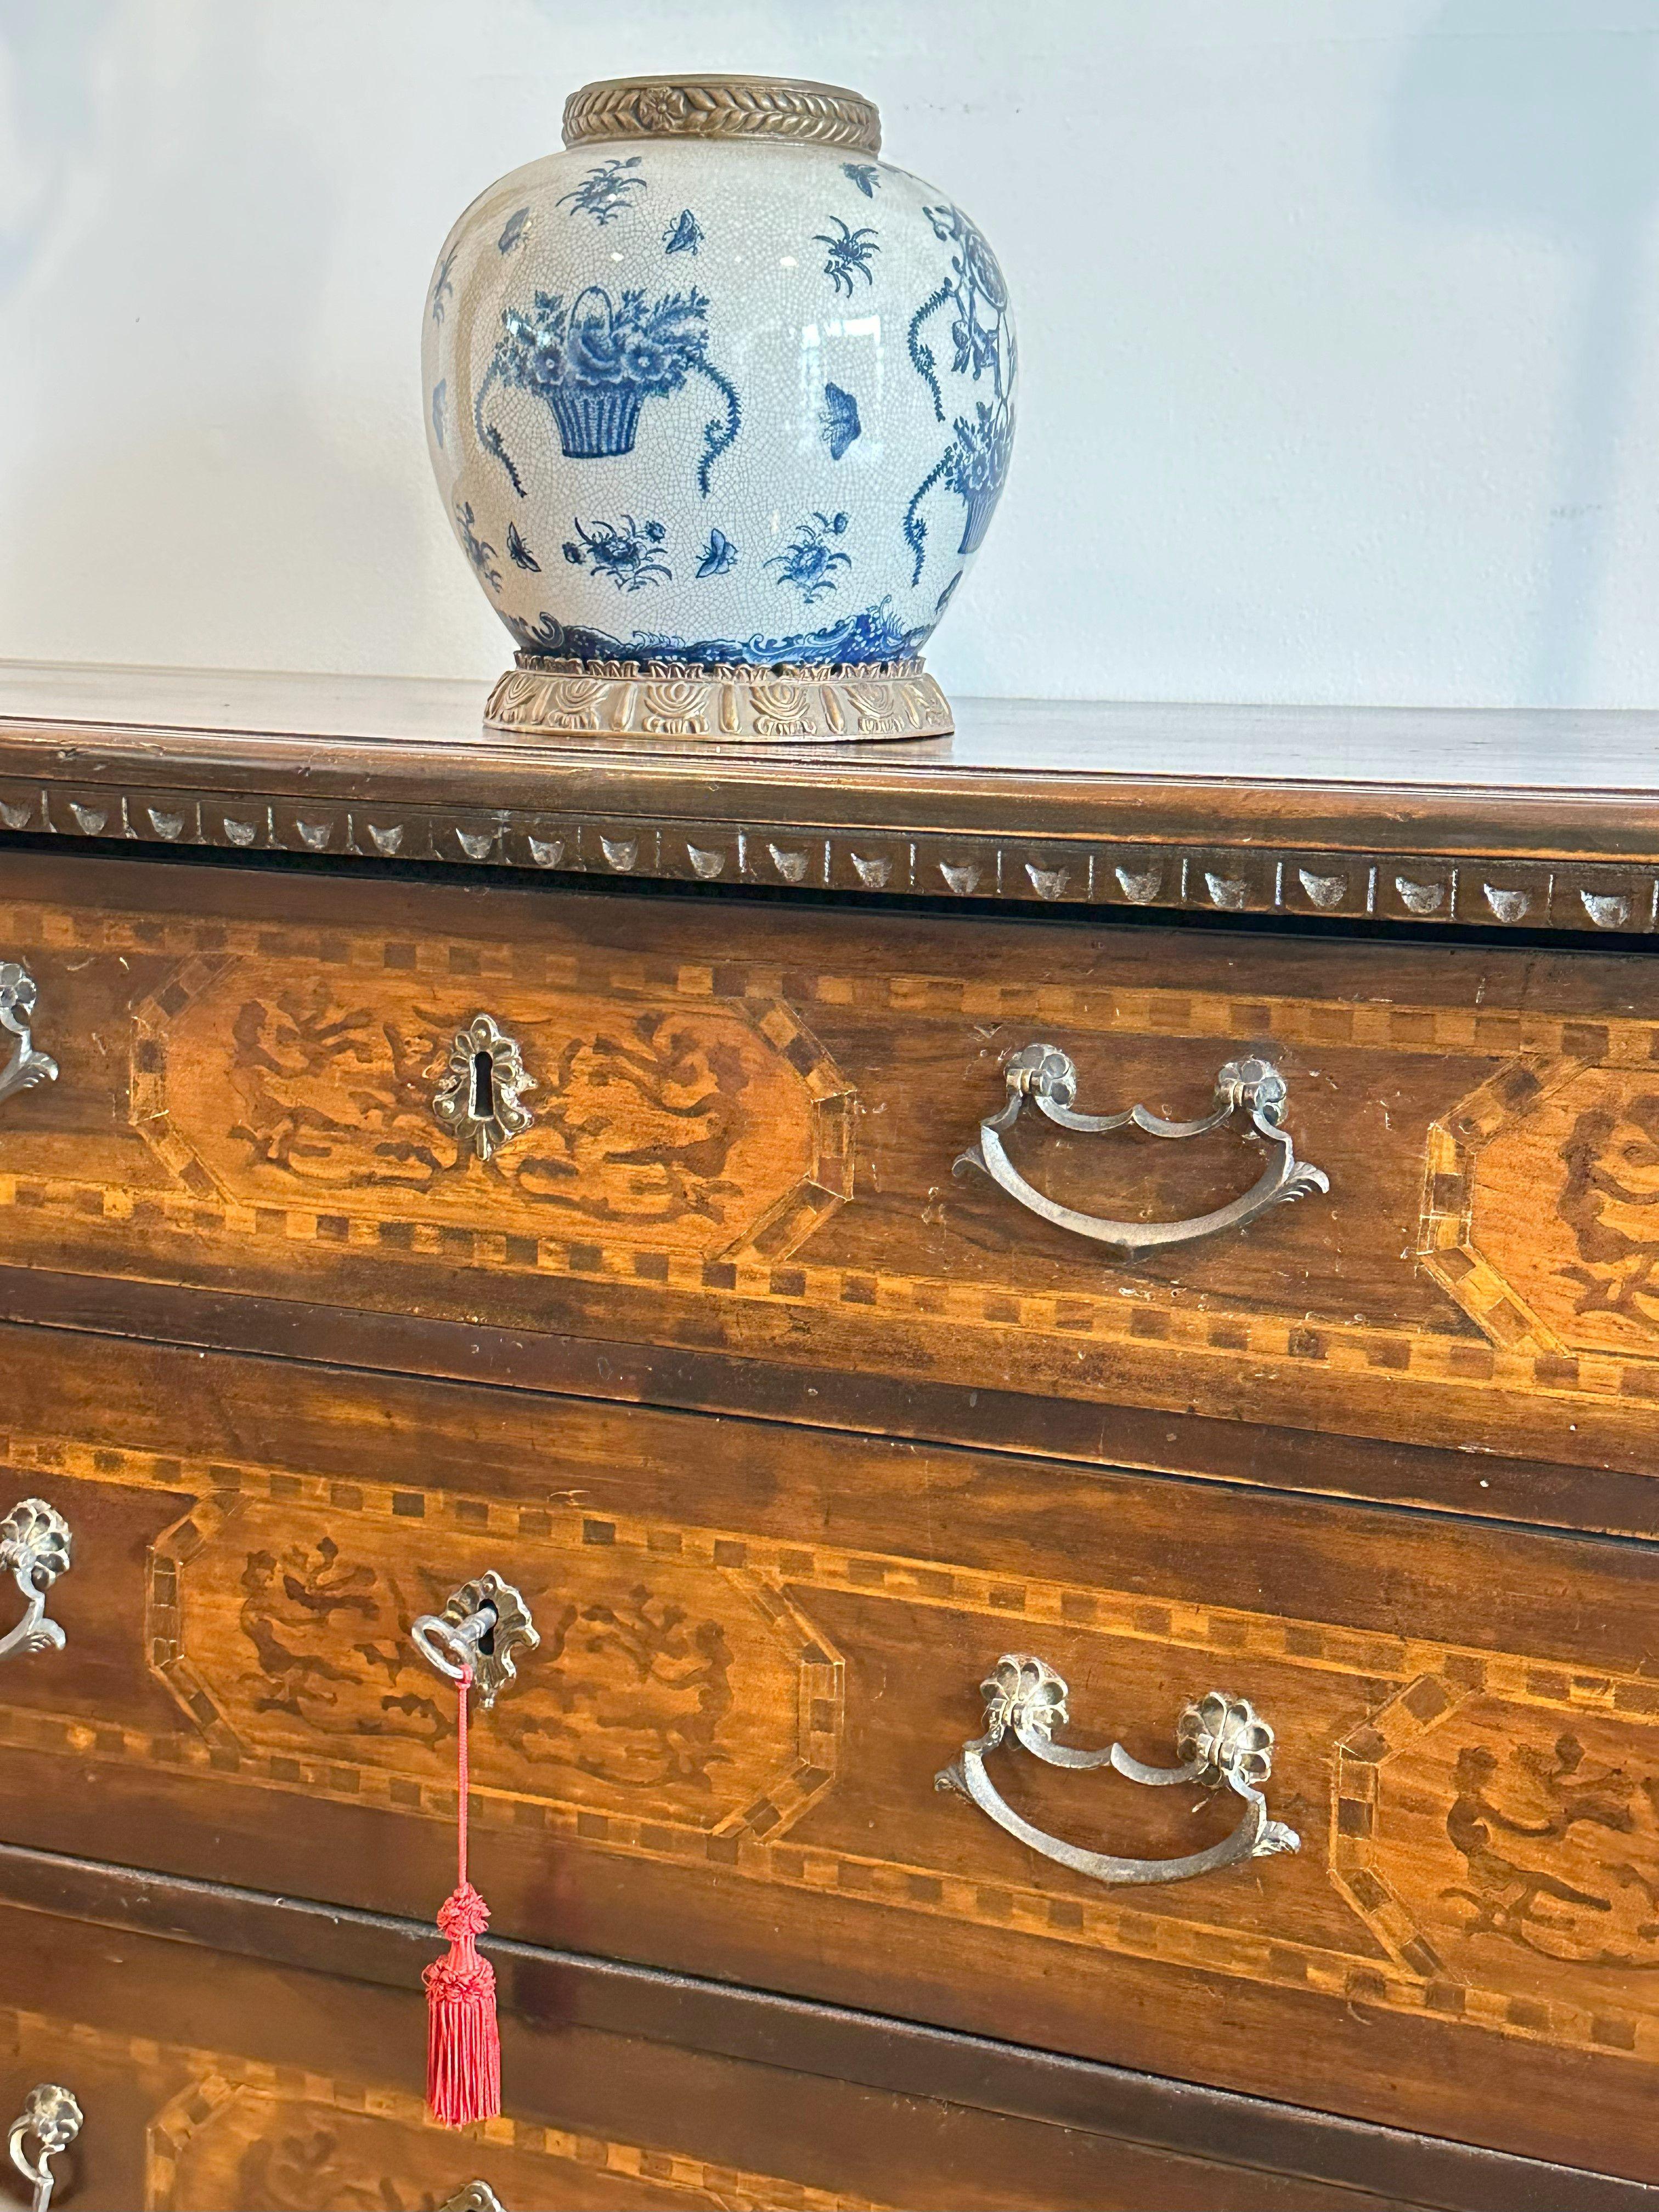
(718, 401)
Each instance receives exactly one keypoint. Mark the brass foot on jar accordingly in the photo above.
(800, 705)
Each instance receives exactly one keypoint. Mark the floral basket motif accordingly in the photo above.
(594, 363)
(592, 422)
(976, 466)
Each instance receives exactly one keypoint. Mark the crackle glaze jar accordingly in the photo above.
(717, 388)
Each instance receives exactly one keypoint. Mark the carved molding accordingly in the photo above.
(721, 106)
(1032, 871)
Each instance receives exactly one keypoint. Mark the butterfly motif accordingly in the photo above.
(718, 555)
(864, 174)
(838, 420)
(684, 235)
(513, 236)
(519, 553)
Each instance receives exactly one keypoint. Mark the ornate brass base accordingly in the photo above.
(722, 706)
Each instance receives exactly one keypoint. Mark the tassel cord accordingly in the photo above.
(461, 1777)
(464, 2058)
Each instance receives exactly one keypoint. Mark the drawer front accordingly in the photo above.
(759, 1646)
(212, 2083)
(732, 1129)
(250, 2078)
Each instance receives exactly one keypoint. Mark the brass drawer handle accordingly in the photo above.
(1045, 1076)
(1219, 1739)
(52, 2116)
(27, 1066)
(36, 1548)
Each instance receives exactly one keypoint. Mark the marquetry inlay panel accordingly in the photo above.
(1543, 1209)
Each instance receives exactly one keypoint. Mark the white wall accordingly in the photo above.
(1339, 321)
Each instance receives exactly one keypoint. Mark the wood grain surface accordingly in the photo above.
(744, 1122)
(759, 1646)
(231, 2051)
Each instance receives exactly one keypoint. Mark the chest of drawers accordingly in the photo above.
(683, 1190)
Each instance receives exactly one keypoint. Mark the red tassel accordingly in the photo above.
(463, 2043)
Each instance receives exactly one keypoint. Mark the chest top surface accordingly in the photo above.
(1496, 818)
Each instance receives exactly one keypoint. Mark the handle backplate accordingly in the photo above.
(36, 1548)
(52, 2117)
(27, 1066)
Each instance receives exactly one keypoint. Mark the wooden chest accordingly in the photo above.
(733, 1258)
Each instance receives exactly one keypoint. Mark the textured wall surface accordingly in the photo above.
(1340, 324)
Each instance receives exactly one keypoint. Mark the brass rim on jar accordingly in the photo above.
(717, 106)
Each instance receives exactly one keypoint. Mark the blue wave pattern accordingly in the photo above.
(871, 635)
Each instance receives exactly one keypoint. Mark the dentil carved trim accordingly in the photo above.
(1013, 867)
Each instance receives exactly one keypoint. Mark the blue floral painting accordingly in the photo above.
(627, 552)
(594, 364)
(975, 462)
(809, 561)
(977, 293)
(849, 254)
(478, 552)
(606, 192)
(838, 420)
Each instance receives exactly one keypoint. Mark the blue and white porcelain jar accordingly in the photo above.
(716, 393)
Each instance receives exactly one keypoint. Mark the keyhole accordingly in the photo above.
(483, 1086)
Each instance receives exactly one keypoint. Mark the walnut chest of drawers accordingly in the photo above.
(703, 1191)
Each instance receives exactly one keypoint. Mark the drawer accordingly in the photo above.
(728, 1129)
(264, 2057)
(759, 1647)
(213, 2082)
